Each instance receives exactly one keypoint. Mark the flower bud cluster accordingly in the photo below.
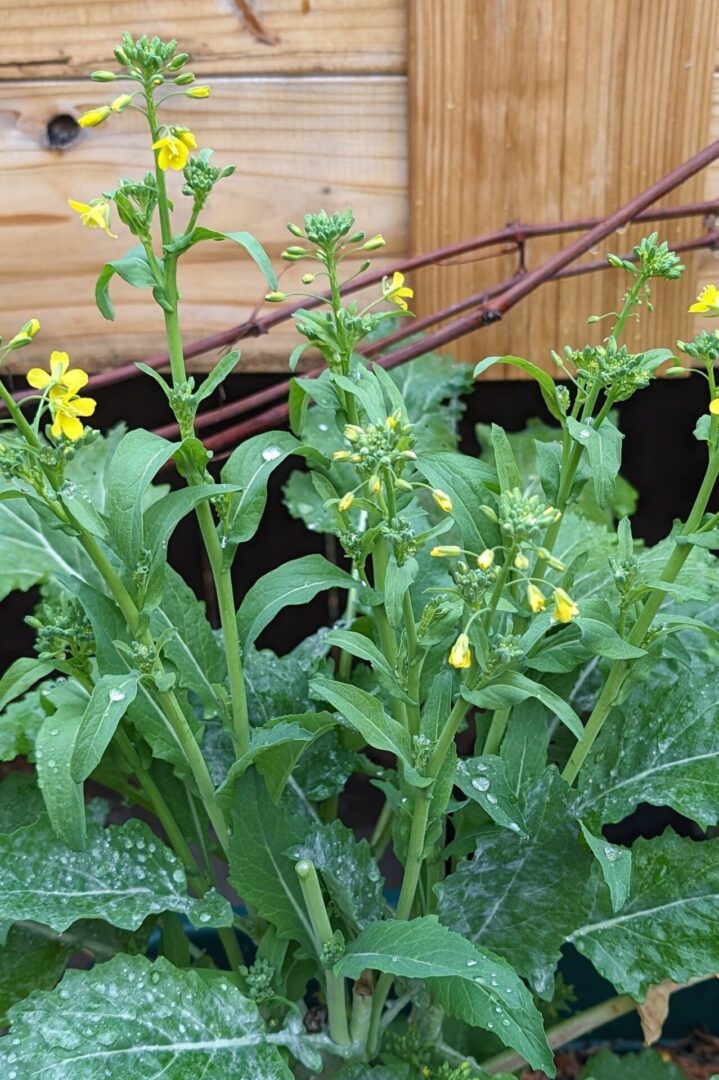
(612, 366)
(62, 630)
(524, 518)
(259, 979)
(377, 447)
(201, 176)
(136, 201)
(473, 584)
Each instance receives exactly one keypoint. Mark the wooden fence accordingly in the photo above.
(434, 119)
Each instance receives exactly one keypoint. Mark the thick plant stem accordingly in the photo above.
(335, 987)
(412, 665)
(619, 669)
(496, 730)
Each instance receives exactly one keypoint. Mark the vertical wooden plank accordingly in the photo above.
(544, 111)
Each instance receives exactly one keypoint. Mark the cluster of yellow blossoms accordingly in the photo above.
(61, 386)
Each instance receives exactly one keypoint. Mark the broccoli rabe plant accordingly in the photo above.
(513, 671)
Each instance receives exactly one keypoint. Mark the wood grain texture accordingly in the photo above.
(51, 38)
(299, 144)
(550, 110)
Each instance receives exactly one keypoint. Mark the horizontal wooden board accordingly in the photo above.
(299, 144)
(62, 38)
(582, 107)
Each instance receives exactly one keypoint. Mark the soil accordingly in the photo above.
(697, 1056)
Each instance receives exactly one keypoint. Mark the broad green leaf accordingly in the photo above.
(349, 871)
(511, 687)
(367, 715)
(364, 648)
(604, 450)
(524, 897)
(432, 387)
(260, 870)
(280, 685)
(19, 725)
(21, 802)
(111, 697)
(124, 874)
(438, 705)
(249, 468)
(244, 239)
(134, 465)
(222, 369)
(324, 768)
(543, 378)
(163, 517)
(355, 1071)
(470, 983)
(506, 466)
(131, 1017)
(616, 865)
(276, 748)
(297, 582)
(660, 746)
(64, 797)
(484, 780)
(398, 581)
(34, 552)
(21, 677)
(663, 930)
(467, 481)
(29, 962)
(525, 744)
(133, 268)
(708, 540)
(648, 1065)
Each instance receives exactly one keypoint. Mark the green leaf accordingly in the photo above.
(484, 780)
(34, 552)
(260, 870)
(63, 796)
(661, 932)
(379, 1072)
(470, 983)
(19, 725)
(349, 871)
(21, 677)
(137, 459)
(367, 715)
(511, 687)
(467, 481)
(660, 746)
(111, 697)
(249, 468)
(524, 897)
(604, 450)
(133, 268)
(244, 239)
(162, 518)
(708, 540)
(297, 582)
(361, 646)
(504, 462)
(648, 1065)
(222, 369)
(398, 581)
(525, 745)
(616, 866)
(124, 875)
(29, 962)
(21, 802)
(131, 1017)
(545, 380)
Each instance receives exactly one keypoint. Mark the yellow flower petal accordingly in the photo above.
(56, 429)
(71, 427)
(714, 406)
(460, 655)
(59, 363)
(75, 380)
(83, 406)
(37, 378)
(564, 607)
(94, 117)
(188, 139)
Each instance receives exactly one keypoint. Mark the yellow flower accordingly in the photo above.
(707, 302)
(374, 484)
(346, 501)
(536, 598)
(485, 559)
(174, 149)
(396, 291)
(120, 103)
(460, 655)
(66, 408)
(58, 375)
(24, 336)
(198, 92)
(564, 607)
(449, 551)
(714, 406)
(94, 116)
(94, 215)
(521, 562)
(443, 500)
(375, 243)
(341, 455)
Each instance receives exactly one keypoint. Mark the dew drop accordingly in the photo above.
(154, 977)
(612, 854)
(117, 695)
(205, 917)
(481, 783)
(472, 963)
(585, 433)
(271, 453)
(492, 799)
(178, 876)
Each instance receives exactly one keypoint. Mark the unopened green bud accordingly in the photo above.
(615, 261)
(177, 61)
(376, 242)
(295, 249)
(103, 76)
(295, 230)
(275, 297)
(489, 513)
(121, 56)
(357, 238)
(307, 279)
(185, 79)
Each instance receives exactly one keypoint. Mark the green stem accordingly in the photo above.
(335, 987)
(496, 731)
(619, 668)
(413, 666)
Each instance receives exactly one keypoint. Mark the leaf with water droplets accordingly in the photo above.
(111, 697)
(665, 930)
(130, 1017)
(616, 865)
(468, 982)
(124, 875)
(21, 802)
(484, 780)
(523, 897)
(348, 869)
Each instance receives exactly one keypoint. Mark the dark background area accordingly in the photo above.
(661, 458)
